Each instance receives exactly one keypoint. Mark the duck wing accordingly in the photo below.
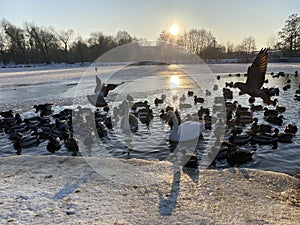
(109, 87)
(256, 72)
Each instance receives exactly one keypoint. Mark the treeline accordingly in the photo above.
(36, 44)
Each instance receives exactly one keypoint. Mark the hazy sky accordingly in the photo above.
(228, 20)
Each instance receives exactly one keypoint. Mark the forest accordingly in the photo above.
(33, 44)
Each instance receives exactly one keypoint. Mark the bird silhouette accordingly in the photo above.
(256, 77)
(101, 91)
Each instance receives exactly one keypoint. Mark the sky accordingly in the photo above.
(228, 20)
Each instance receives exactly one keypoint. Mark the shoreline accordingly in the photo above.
(62, 189)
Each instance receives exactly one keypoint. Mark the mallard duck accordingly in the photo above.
(291, 128)
(277, 120)
(239, 139)
(238, 156)
(255, 77)
(43, 107)
(72, 144)
(261, 128)
(7, 114)
(198, 99)
(270, 112)
(54, 144)
(283, 137)
(263, 138)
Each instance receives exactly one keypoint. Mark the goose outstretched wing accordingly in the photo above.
(256, 72)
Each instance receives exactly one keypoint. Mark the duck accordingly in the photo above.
(277, 120)
(163, 115)
(186, 131)
(182, 98)
(145, 115)
(43, 107)
(207, 93)
(280, 109)
(101, 91)
(263, 138)
(238, 156)
(291, 128)
(230, 84)
(72, 144)
(185, 105)
(251, 100)
(198, 99)
(261, 128)
(158, 101)
(139, 104)
(54, 144)
(227, 93)
(190, 93)
(286, 87)
(270, 112)
(129, 98)
(7, 114)
(215, 87)
(255, 77)
(129, 121)
(254, 108)
(202, 111)
(27, 142)
(239, 139)
(102, 130)
(283, 137)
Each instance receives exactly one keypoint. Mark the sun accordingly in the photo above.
(174, 29)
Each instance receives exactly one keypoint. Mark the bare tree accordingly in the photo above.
(64, 37)
(17, 41)
(123, 37)
(44, 38)
(272, 42)
(248, 45)
(290, 34)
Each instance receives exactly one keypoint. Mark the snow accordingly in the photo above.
(55, 190)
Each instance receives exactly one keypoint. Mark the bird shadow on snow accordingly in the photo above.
(70, 188)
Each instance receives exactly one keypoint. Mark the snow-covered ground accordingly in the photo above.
(66, 190)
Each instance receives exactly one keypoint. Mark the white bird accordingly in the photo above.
(187, 131)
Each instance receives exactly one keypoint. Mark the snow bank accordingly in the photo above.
(56, 190)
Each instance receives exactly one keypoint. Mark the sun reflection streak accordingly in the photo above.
(174, 81)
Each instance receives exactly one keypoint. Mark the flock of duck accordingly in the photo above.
(241, 126)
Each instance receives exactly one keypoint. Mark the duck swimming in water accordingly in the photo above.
(256, 77)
